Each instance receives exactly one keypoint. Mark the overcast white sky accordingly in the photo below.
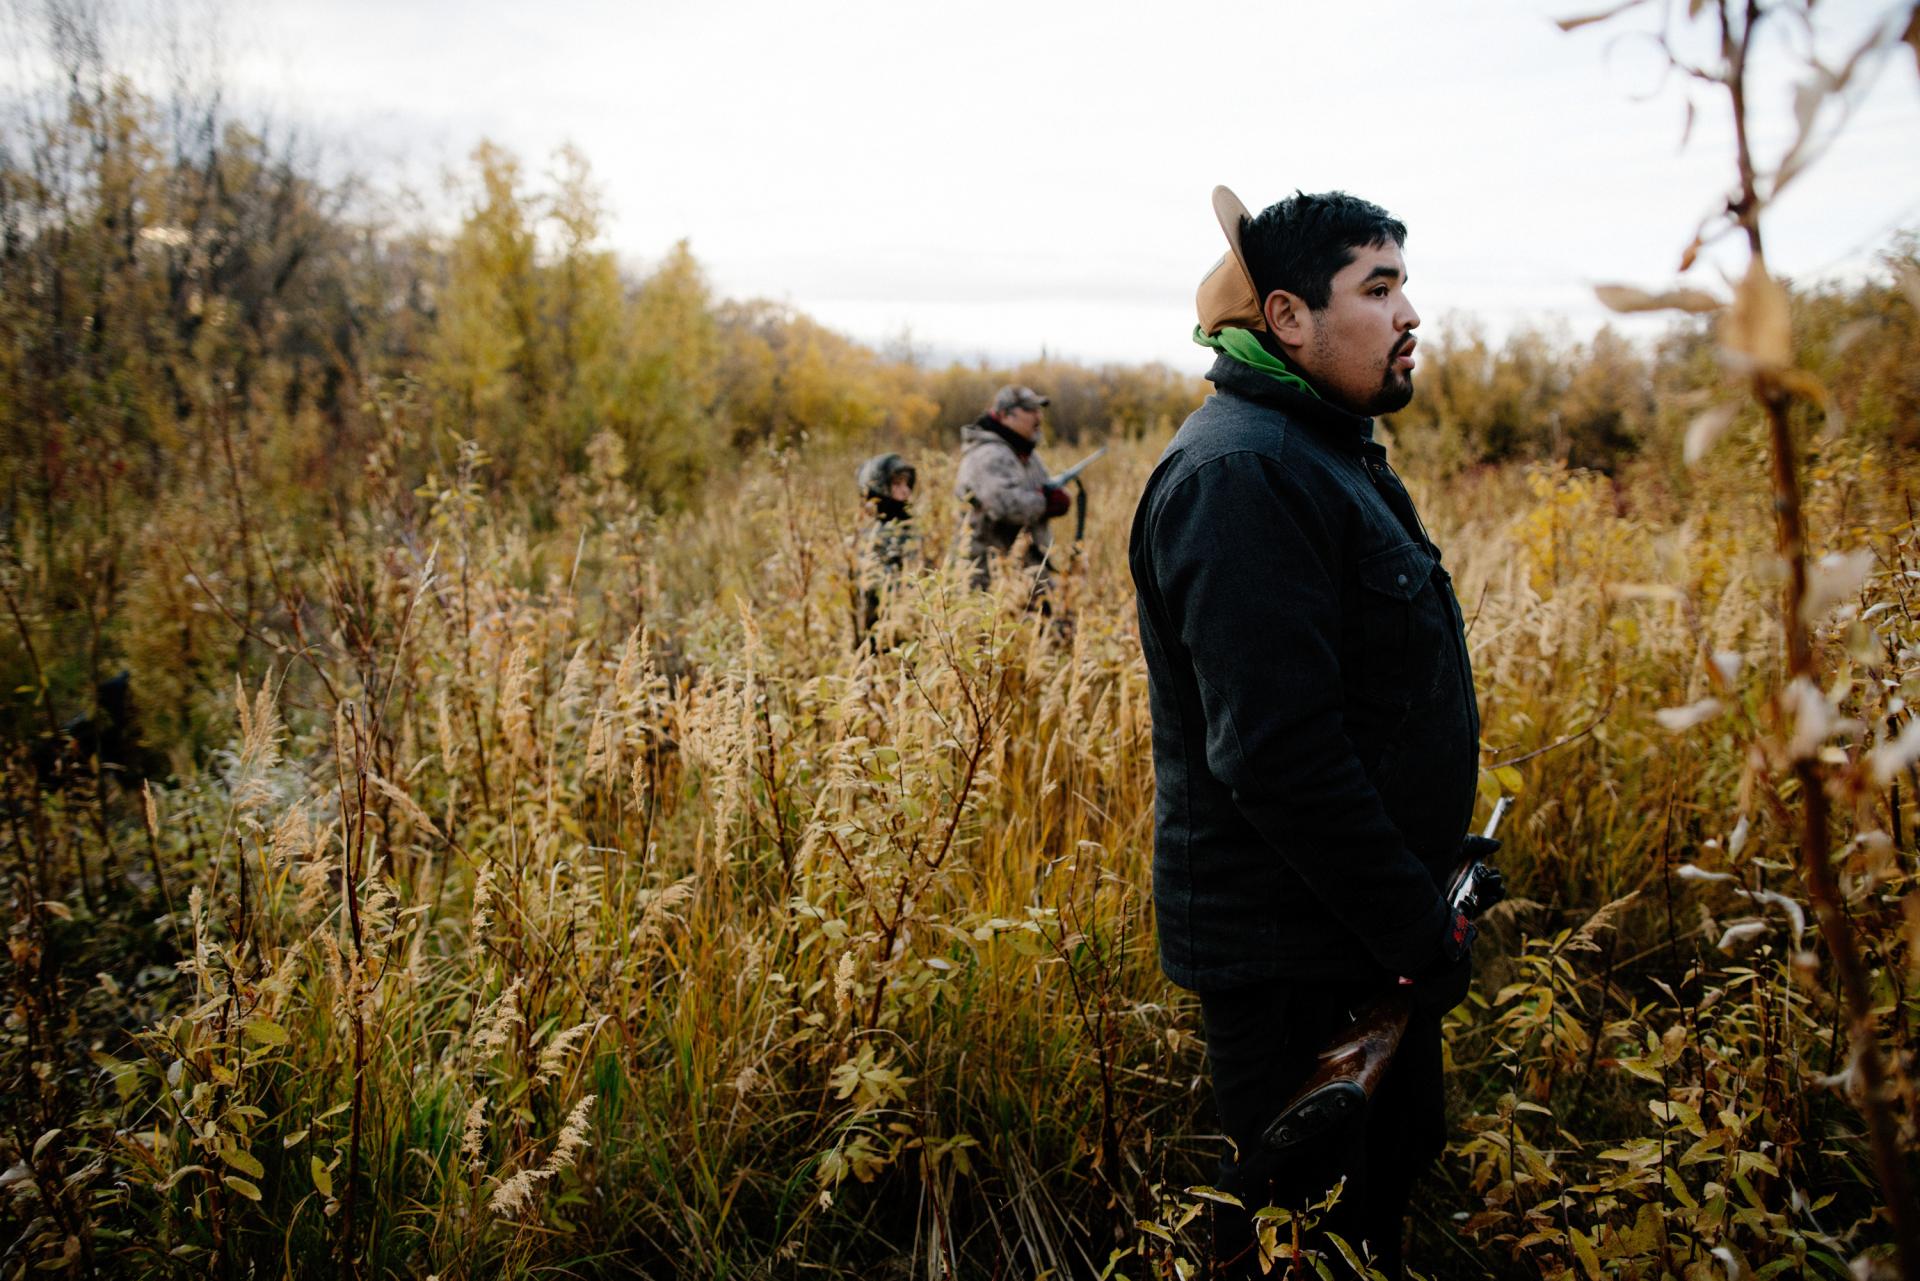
(1006, 174)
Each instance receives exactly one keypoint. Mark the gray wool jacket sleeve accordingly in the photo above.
(1249, 574)
(1005, 489)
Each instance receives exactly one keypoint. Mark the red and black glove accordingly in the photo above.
(1058, 502)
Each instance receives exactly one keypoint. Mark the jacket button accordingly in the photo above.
(1402, 580)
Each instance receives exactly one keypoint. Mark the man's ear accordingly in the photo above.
(1288, 318)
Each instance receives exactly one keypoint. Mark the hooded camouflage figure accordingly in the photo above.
(890, 540)
(877, 474)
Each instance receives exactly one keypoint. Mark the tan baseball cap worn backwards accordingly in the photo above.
(1227, 297)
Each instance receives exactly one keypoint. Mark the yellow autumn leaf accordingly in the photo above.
(1756, 329)
(1628, 299)
(265, 1031)
(322, 1177)
(243, 1161)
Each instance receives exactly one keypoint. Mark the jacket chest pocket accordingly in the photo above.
(1400, 625)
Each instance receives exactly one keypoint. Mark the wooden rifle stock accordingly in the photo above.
(1345, 1073)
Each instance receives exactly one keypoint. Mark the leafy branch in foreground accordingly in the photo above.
(1757, 352)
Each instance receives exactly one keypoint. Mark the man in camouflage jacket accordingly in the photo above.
(1004, 485)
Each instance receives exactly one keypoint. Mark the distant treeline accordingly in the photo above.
(170, 297)
(1599, 403)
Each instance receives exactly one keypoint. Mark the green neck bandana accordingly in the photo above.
(1245, 348)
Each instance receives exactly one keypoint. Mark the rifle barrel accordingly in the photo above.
(1077, 468)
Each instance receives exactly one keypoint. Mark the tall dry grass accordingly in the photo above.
(584, 898)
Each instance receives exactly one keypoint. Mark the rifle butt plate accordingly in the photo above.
(1315, 1114)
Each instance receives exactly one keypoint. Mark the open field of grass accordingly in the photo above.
(582, 900)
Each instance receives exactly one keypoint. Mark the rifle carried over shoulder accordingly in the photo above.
(1345, 1073)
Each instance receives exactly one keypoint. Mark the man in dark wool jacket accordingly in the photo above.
(1315, 731)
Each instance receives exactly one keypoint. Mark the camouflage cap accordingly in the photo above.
(878, 473)
(1016, 397)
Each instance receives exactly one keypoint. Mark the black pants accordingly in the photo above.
(1261, 1044)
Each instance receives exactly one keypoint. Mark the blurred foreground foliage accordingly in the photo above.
(500, 858)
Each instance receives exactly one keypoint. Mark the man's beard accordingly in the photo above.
(1396, 386)
(1396, 392)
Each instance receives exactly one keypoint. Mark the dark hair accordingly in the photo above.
(1299, 244)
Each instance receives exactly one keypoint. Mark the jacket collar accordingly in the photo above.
(1019, 444)
(1350, 431)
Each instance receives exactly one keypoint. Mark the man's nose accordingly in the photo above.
(1409, 318)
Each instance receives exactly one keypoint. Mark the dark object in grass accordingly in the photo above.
(110, 735)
